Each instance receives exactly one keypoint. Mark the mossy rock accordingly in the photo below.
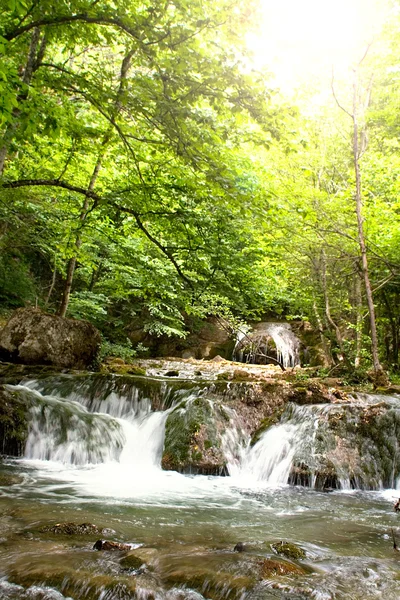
(192, 443)
(265, 424)
(242, 375)
(271, 567)
(289, 550)
(8, 479)
(75, 583)
(122, 368)
(73, 529)
(14, 414)
(131, 561)
(225, 376)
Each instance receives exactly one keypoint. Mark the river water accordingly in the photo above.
(182, 528)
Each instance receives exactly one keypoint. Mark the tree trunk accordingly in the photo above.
(380, 376)
(62, 311)
(358, 300)
(324, 343)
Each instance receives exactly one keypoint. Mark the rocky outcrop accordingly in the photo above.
(33, 337)
(192, 438)
(206, 339)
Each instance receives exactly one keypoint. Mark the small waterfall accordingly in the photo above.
(85, 429)
(255, 346)
(271, 459)
(287, 344)
(68, 433)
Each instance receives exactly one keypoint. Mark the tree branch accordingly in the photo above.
(163, 249)
(51, 183)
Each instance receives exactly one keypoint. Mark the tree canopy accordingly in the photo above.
(148, 173)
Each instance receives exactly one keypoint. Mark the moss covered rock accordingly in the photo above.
(289, 550)
(73, 529)
(14, 412)
(33, 337)
(271, 567)
(192, 440)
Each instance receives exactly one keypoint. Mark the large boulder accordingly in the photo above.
(36, 338)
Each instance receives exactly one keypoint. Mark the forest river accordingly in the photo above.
(97, 460)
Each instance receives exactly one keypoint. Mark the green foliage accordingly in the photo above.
(124, 351)
(138, 143)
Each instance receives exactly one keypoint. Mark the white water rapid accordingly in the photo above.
(270, 460)
(111, 442)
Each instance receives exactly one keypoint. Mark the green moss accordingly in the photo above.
(265, 424)
(289, 550)
(13, 422)
(223, 376)
(131, 561)
(183, 424)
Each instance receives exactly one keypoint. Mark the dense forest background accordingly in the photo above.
(149, 175)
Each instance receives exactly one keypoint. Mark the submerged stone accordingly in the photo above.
(289, 550)
(8, 479)
(271, 567)
(73, 529)
(110, 546)
(131, 561)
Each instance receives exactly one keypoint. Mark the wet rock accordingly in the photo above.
(14, 413)
(172, 373)
(33, 337)
(213, 576)
(192, 441)
(218, 358)
(73, 529)
(131, 562)
(271, 567)
(265, 424)
(73, 581)
(111, 546)
(289, 550)
(240, 547)
(8, 479)
(121, 368)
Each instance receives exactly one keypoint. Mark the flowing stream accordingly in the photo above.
(94, 456)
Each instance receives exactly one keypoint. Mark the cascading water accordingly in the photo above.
(254, 346)
(95, 449)
(271, 459)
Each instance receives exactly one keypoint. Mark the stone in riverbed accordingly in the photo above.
(271, 567)
(74, 529)
(240, 547)
(36, 338)
(288, 549)
(111, 546)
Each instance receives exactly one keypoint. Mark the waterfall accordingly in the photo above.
(271, 459)
(254, 346)
(287, 344)
(120, 430)
(81, 429)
